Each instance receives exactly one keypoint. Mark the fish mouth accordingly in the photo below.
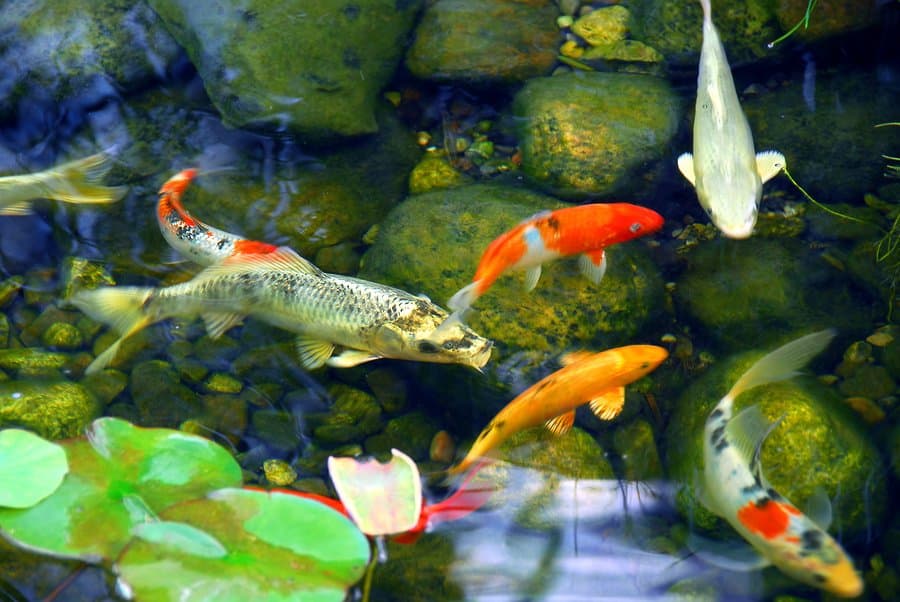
(482, 357)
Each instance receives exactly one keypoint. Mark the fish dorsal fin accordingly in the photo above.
(593, 265)
(23, 208)
(686, 167)
(282, 259)
(567, 359)
(732, 555)
(562, 424)
(783, 362)
(351, 357)
(218, 323)
(532, 275)
(769, 164)
(746, 433)
(608, 404)
(818, 508)
(313, 352)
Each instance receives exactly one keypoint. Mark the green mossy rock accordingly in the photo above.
(27, 359)
(594, 134)
(435, 171)
(354, 414)
(484, 41)
(575, 455)
(418, 573)
(827, 19)
(819, 443)
(758, 289)
(410, 433)
(313, 69)
(53, 410)
(635, 445)
(160, 397)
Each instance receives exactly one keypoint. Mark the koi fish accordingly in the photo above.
(192, 238)
(73, 182)
(734, 487)
(369, 320)
(724, 170)
(584, 230)
(596, 379)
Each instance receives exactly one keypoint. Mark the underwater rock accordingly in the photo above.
(584, 134)
(277, 428)
(9, 290)
(31, 360)
(61, 335)
(758, 289)
(313, 69)
(68, 57)
(53, 410)
(106, 385)
(279, 472)
(219, 382)
(160, 397)
(4, 331)
(826, 20)
(342, 258)
(819, 443)
(417, 573)
(354, 414)
(636, 446)
(77, 273)
(869, 381)
(575, 455)
(603, 26)
(389, 389)
(410, 433)
(435, 171)
(484, 41)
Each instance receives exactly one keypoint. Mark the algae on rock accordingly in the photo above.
(53, 410)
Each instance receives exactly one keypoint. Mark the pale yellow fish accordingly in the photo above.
(73, 182)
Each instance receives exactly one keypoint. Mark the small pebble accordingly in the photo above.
(279, 473)
(442, 448)
(866, 408)
(879, 339)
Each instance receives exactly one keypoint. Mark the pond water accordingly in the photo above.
(393, 141)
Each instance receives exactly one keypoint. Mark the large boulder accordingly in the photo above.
(53, 410)
(309, 68)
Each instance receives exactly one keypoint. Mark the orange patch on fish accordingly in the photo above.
(768, 519)
(244, 247)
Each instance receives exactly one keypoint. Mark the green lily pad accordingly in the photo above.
(239, 544)
(120, 477)
(31, 468)
(382, 499)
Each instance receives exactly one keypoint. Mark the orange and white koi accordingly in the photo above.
(584, 230)
(596, 379)
(73, 182)
(192, 238)
(734, 487)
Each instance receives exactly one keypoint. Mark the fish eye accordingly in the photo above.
(427, 347)
(450, 345)
(635, 227)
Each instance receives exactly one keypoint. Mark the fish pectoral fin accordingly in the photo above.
(731, 554)
(351, 357)
(686, 167)
(608, 404)
(593, 265)
(746, 432)
(562, 424)
(23, 208)
(218, 323)
(532, 275)
(818, 508)
(769, 164)
(313, 352)
(567, 359)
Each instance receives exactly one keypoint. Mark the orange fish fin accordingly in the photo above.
(532, 275)
(567, 359)
(593, 265)
(608, 404)
(562, 424)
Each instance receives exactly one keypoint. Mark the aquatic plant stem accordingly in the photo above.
(803, 21)
(370, 571)
(820, 205)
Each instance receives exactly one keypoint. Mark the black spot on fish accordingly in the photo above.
(351, 12)
(717, 434)
(645, 365)
(721, 446)
(221, 244)
(717, 413)
(819, 578)
(553, 223)
(762, 502)
(427, 347)
(811, 539)
(751, 489)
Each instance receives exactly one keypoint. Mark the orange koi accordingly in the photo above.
(192, 238)
(596, 379)
(584, 230)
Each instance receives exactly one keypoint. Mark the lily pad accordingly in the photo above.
(241, 544)
(120, 477)
(31, 468)
(382, 499)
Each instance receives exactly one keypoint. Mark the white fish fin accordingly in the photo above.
(818, 508)
(782, 363)
(532, 275)
(313, 352)
(217, 323)
(23, 208)
(120, 307)
(746, 432)
(562, 424)
(351, 357)
(769, 164)
(567, 359)
(731, 555)
(590, 270)
(686, 167)
(463, 298)
(282, 259)
(79, 181)
(608, 404)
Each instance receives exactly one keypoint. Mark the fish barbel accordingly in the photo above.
(596, 379)
(73, 182)
(369, 320)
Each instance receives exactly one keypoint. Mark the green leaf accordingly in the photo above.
(380, 498)
(277, 547)
(31, 468)
(120, 477)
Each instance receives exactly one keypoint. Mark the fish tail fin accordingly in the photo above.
(707, 9)
(122, 308)
(464, 298)
(79, 181)
(782, 363)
